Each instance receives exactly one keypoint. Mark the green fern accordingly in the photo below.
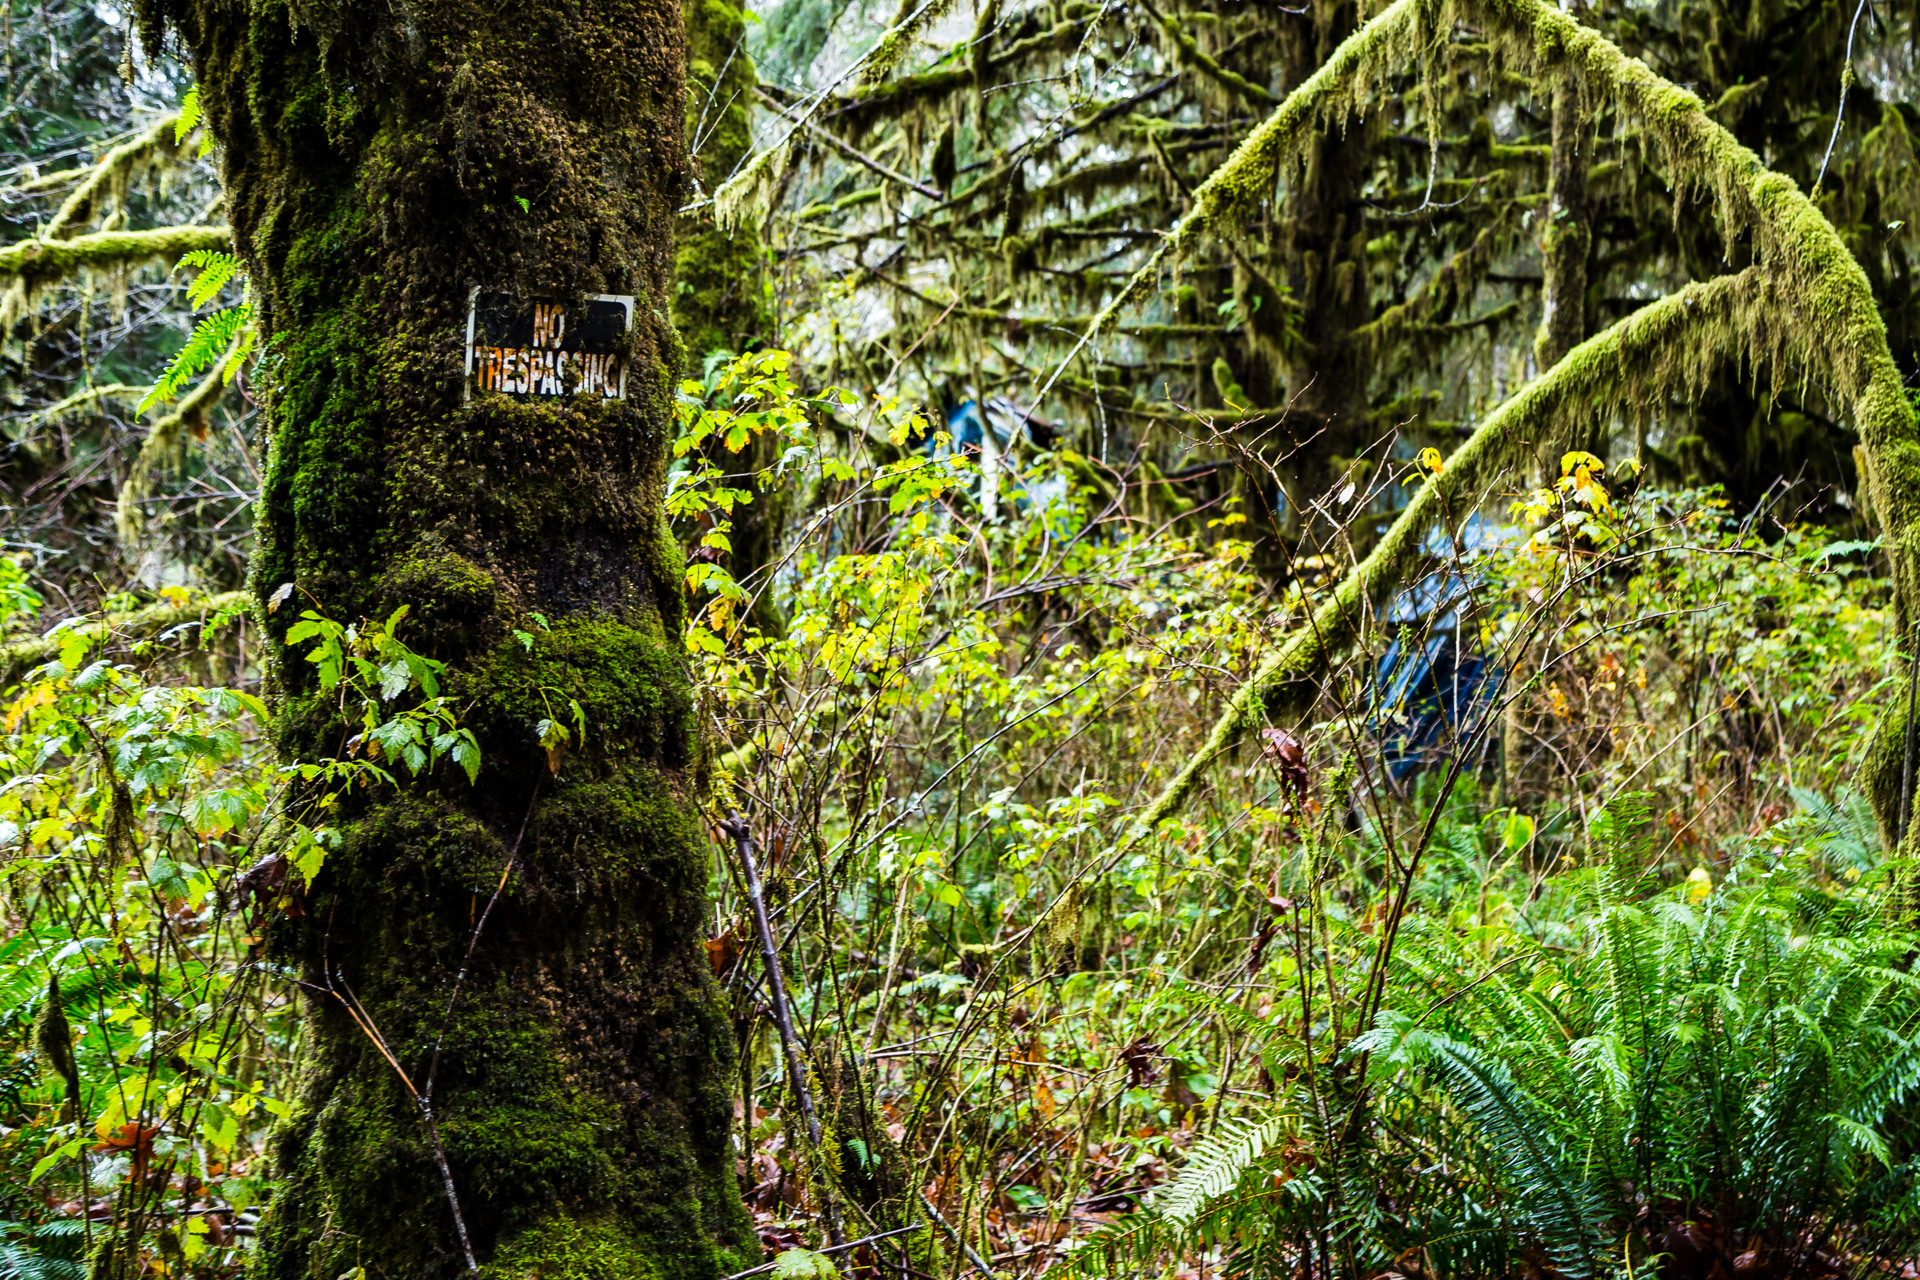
(189, 117)
(1214, 1167)
(49, 1251)
(1749, 1054)
(1552, 1200)
(226, 332)
(192, 116)
(215, 268)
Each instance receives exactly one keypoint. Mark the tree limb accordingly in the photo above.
(135, 624)
(40, 260)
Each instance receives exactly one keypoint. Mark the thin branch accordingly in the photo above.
(736, 827)
(1840, 112)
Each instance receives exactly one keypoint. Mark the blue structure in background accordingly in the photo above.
(1432, 681)
(968, 422)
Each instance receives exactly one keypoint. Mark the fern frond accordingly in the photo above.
(215, 267)
(1553, 1201)
(211, 339)
(190, 115)
(1214, 1167)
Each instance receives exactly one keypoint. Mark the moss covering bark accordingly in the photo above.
(1804, 304)
(1566, 240)
(380, 161)
(40, 260)
(720, 292)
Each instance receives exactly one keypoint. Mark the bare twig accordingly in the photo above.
(1840, 112)
(979, 1263)
(765, 1267)
(742, 835)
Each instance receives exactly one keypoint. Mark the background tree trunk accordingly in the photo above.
(1567, 238)
(380, 161)
(720, 299)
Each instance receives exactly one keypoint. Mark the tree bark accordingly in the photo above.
(381, 160)
(720, 298)
(1567, 239)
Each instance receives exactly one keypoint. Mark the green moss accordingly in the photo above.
(570, 1250)
(719, 301)
(1881, 773)
(377, 161)
(1805, 304)
(36, 259)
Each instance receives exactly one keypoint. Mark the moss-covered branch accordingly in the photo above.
(136, 624)
(1684, 335)
(1194, 56)
(106, 183)
(80, 401)
(1821, 314)
(41, 261)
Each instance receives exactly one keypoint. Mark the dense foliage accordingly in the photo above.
(1299, 623)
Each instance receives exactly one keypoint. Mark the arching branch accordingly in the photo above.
(1805, 303)
(1686, 334)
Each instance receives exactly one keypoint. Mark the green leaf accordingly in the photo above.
(466, 754)
(220, 1128)
(65, 1151)
(804, 1264)
(191, 114)
(308, 856)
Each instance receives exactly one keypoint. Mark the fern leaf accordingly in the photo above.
(214, 267)
(1554, 1201)
(190, 116)
(211, 339)
(1215, 1167)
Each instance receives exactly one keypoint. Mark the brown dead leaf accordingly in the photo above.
(1288, 756)
(721, 954)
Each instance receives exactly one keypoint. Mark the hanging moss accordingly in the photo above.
(1804, 304)
(380, 162)
(45, 260)
(1678, 340)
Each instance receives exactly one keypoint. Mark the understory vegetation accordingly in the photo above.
(1302, 626)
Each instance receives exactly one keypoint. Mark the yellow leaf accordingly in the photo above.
(1431, 462)
(1570, 462)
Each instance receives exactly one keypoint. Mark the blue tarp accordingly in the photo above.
(1432, 683)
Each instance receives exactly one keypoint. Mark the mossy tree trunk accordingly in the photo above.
(380, 161)
(1324, 248)
(719, 299)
